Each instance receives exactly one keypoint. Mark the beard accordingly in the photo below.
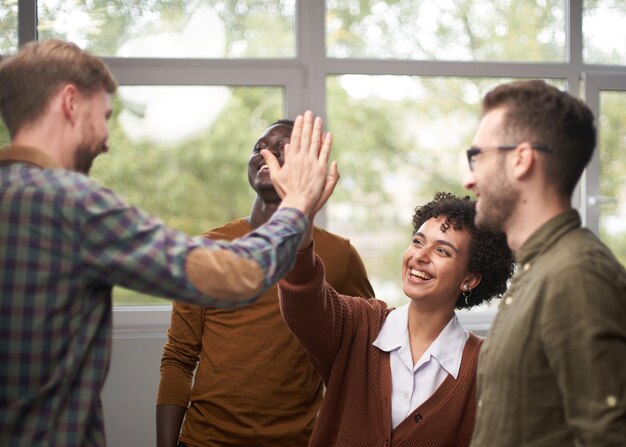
(497, 204)
(88, 150)
(83, 159)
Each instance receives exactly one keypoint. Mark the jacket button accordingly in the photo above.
(418, 417)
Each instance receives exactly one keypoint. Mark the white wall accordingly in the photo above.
(129, 394)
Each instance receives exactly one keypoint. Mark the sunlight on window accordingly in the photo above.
(187, 29)
(604, 33)
(478, 30)
(8, 27)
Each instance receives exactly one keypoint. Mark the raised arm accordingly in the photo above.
(314, 312)
(309, 146)
(122, 245)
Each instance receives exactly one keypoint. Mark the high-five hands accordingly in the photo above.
(304, 181)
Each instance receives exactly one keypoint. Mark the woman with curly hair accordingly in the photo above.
(405, 376)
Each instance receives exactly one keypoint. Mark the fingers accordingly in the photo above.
(329, 187)
(316, 138)
(307, 129)
(331, 181)
(307, 133)
(274, 167)
(296, 134)
(327, 144)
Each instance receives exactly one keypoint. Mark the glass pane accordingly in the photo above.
(4, 135)
(481, 30)
(397, 140)
(604, 33)
(612, 144)
(181, 153)
(181, 28)
(8, 26)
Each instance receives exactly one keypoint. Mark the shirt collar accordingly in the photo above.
(395, 331)
(447, 348)
(547, 235)
(29, 155)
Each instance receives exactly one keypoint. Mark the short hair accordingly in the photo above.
(489, 254)
(29, 79)
(282, 122)
(542, 114)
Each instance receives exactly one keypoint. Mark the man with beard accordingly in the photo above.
(65, 241)
(265, 392)
(551, 370)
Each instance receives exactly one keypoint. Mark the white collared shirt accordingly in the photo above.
(412, 385)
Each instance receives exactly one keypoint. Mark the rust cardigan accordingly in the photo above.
(337, 332)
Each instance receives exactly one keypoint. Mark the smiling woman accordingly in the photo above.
(424, 358)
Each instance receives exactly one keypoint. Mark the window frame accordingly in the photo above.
(303, 79)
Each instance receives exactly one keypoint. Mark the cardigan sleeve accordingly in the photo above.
(314, 312)
(355, 281)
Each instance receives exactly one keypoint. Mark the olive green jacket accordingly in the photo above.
(552, 370)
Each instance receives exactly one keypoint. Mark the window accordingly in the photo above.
(399, 81)
(4, 135)
(603, 32)
(8, 27)
(181, 153)
(180, 29)
(479, 30)
(604, 184)
(406, 141)
(612, 147)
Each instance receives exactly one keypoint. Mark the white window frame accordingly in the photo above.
(595, 84)
(303, 79)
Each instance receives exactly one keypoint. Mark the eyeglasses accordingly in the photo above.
(474, 151)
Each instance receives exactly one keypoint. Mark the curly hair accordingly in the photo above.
(489, 253)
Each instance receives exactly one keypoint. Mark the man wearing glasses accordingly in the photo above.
(552, 370)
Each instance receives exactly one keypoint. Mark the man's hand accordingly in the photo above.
(304, 181)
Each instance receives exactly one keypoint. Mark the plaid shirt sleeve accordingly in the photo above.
(123, 245)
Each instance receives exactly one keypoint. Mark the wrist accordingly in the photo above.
(299, 203)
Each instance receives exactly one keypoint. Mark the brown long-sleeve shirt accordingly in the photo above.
(254, 385)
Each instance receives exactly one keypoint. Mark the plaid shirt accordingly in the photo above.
(64, 242)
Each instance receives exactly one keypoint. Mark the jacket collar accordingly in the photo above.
(30, 155)
(547, 235)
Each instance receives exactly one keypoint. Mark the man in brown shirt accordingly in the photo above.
(552, 370)
(254, 384)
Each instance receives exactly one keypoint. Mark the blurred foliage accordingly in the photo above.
(395, 147)
(450, 30)
(198, 184)
(612, 147)
(8, 26)
(395, 153)
(4, 135)
(107, 24)
(604, 44)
